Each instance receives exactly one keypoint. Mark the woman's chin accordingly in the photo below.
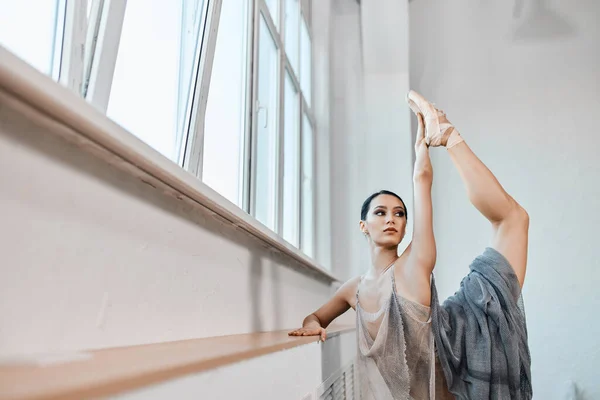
(388, 242)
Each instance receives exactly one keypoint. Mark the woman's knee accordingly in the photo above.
(514, 217)
(520, 216)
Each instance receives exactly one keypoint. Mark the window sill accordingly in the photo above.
(38, 96)
(107, 372)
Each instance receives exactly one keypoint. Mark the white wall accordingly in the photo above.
(92, 257)
(529, 108)
(258, 378)
(371, 145)
(347, 135)
(262, 377)
(386, 156)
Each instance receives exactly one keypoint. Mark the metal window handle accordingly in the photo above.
(266, 110)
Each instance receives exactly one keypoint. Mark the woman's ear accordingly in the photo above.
(363, 228)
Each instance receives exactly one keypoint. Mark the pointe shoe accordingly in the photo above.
(438, 130)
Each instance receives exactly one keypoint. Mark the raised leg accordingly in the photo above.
(509, 220)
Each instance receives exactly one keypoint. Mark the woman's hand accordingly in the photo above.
(315, 323)
(423, 170)
(310, 331)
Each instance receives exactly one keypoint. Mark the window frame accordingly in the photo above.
(73, 45)
(87, 62)
(194, 149)
(191, 155)
(98, 80)
(306, 111)
(38, 98)
(261, 10)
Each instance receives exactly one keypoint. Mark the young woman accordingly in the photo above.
(409, 347)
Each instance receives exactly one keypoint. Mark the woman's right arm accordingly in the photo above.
(315, 323)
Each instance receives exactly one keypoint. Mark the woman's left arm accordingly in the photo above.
(423, 252)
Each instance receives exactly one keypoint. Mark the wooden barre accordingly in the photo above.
(106, 372)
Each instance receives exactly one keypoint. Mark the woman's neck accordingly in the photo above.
(382, 259)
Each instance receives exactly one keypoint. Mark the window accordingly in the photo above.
(283, 174)
(298, 225)
(151, 85)
(292, 32)
(266, 129)
(273, 6)
(33, 30)
(305, 62)
(308, 177)
(291, 164)
(221, 87)
(225, 121)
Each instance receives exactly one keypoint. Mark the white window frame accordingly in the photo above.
(87, 61)
(307, 110)
(261, 8)
(102, 48)
(39, 98)
(91, 43)
(193, 152)
(104, 53)
(73, 45)
(252, 55)
(193, 143)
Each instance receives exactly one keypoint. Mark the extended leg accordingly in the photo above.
(509, 220)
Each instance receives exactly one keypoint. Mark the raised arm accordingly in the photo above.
(315, 323)
(423, 253)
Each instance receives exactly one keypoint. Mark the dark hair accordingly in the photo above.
(365, 207)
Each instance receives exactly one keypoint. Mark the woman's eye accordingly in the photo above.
(400, 214)
(380, 213)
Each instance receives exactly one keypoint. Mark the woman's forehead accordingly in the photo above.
(387, 201)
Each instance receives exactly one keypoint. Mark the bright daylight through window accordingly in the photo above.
(223, 88)
(36, 36)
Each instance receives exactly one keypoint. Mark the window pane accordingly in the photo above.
(307, 188)
(291, 163)
(155, 66)
(266, 130)
(33, 30)
(306, 61)
(225, 108)
(292, 32)
(273, 6)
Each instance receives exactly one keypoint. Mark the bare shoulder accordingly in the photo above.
(350, 285)
(348, 290)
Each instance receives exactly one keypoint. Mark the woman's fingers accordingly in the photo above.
(322, 333)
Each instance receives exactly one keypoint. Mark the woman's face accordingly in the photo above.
(385, 224)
